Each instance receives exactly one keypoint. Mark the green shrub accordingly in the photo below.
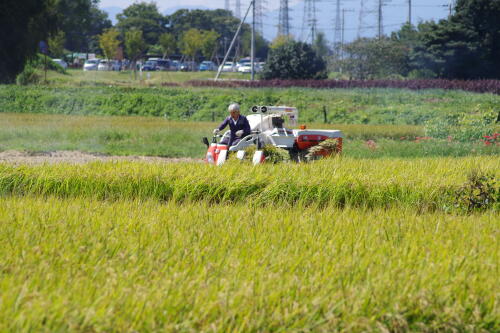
(28, 76)
(295, 61)
(480, 192)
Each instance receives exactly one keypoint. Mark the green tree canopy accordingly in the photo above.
(168, 44)
(24, 23)
(81, 21)
(109, 43)
(209, 45)
(294, 60)
(465, 46)
(191, 42)
(134, 44)
(56, 44)
(145, 17)
(368, 58)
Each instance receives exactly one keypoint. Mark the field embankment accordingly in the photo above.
(355, 106)
(425, 184)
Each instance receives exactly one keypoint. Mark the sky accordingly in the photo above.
(395, 13)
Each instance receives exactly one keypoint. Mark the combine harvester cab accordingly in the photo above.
(267, 124)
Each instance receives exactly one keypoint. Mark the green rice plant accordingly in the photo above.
(426, 184)
(74, 265)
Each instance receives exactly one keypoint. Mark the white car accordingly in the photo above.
(229, 66)
(91, 65)
(247, 68)
(61, 63)
(104, 65)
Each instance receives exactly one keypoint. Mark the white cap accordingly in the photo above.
(233, 107)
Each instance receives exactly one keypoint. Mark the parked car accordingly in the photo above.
(162, 65)
(246, 67)
(104, 65)
(116, 65)
(91, 65)
(61, 63)
(149, 65)
(189, 66)
(228, 66)
(175, 65)
(207, 66)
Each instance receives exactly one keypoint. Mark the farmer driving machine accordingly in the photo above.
(267, 124)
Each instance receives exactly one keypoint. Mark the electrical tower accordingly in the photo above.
(309, 22)
(284, 20)
(260, 7)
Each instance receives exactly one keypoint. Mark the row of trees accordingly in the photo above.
(80, 26)
(464, 46)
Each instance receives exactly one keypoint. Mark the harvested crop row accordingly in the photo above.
(426, 184)
(92, 266)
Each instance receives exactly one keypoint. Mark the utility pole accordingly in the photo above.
(379, 19)
(252, 46)
(344, 10)
(361, 18)
(338, 28)
(409, 12)
(232, 42)
(226, 5)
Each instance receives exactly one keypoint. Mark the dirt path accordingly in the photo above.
(77, 157)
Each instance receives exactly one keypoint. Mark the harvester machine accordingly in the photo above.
(267, 124)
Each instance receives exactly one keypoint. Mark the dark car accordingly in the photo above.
(150, 65)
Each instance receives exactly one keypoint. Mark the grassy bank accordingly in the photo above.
(424, 184)
(355, 106)
(85, 265)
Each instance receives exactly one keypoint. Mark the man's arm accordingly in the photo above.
(246, 127)
(223, 124)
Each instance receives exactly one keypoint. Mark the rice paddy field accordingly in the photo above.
(398, 234)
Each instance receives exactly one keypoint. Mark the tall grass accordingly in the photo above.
(83, 265)
(426, 184)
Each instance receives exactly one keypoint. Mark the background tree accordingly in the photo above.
(222, 22)
(56, 44)
(294, 60)
(465, 46)
(191, 43)
(368, 58)
(134, 46)
(168, 44)
(145, 17)
(109, 43)
(280, 41)
(320, 45)
(24, 23)
(81, 21)
(209, 45)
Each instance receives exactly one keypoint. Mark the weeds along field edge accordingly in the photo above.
(80, 264)
(425, 184)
